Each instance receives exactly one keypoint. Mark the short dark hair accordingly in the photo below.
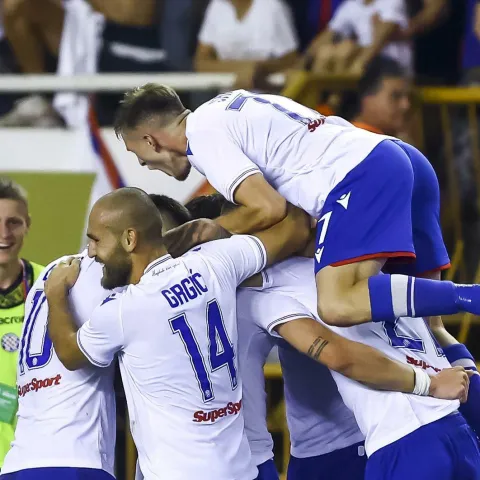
(206, 206)
(9, 190)
(380, 68)
(148, 102)
(179, 212)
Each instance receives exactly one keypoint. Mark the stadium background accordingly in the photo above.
(67, 156)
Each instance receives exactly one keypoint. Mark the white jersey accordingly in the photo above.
(383, 417)
(302, 154)
(318, 420)
(254, 346)
(65, 418)
(176, 334)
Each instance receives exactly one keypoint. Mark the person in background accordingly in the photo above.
(383, 100)
(252, 38)
(16, 277)
(358, 32)
(33, 30)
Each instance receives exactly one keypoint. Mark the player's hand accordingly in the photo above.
(450, 384)
(181, 239)
(63, 277)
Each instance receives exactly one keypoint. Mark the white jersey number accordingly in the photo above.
(35, 359)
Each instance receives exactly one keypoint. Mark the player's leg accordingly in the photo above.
(366, 220)
(344, 464)
(267, 471)
(430, 250)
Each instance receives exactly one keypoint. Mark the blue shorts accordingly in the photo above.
(58, 473)
(267, 471)
(386, 207)
(443, 450)
(345, 464)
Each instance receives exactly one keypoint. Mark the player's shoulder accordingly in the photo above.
(216, 109)
(295, 271)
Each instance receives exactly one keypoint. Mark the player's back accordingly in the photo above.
(383, 417)
(65, 418)
(179, 365)
(318, 420)
(300, 152)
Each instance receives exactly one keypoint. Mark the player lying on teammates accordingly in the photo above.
(375, 197)
(323, 431)
(171, 391)
(287, 289)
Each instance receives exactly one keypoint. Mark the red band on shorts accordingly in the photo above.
(409, 255)
(439, 269)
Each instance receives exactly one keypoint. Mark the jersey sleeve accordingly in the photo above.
(221, 160)
(236, 258)
(269, 308)
(101, 337)
(285, 36)
(342, 21)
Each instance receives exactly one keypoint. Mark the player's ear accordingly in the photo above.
(151, 142)
(129, 240)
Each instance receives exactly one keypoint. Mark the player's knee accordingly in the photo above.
(333, 311)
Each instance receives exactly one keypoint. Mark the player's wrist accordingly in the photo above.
(423, 383)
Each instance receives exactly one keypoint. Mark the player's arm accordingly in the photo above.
(284, 315)
(367, 365)
(283, 239)
(261, 206)
(215, 153)
(63, 330)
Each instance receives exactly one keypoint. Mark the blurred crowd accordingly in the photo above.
(386, 43)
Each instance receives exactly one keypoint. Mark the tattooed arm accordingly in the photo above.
(356, 360)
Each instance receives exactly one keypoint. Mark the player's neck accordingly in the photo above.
(9, 272)
(144, 259)
(242, 7)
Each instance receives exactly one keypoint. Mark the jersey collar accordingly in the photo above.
(157, 262)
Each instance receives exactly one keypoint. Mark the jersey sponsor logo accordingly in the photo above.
(344, 199)
(10, 342)
(232, 408)
(187, 289)
(11, 320)
(36, 384)
(421, 364)
(314, 124)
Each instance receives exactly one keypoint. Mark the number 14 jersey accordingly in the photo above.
(175, 333)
